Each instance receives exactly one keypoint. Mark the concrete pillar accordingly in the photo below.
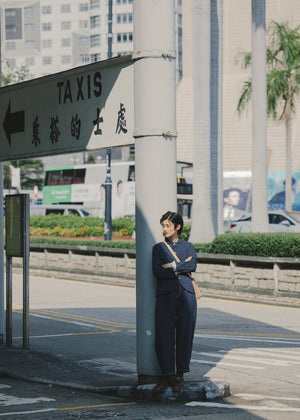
(155, 155)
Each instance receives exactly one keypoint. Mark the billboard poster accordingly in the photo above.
(237, 192)
(276, 190)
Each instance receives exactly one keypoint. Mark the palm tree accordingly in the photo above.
(283, 83)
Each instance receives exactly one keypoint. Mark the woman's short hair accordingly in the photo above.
(175, 218)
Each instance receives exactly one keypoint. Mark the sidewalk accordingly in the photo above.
(52, 369)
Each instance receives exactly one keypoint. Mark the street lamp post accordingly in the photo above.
(108, 182)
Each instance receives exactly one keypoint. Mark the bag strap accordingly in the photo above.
(171, 251)
(176, 257)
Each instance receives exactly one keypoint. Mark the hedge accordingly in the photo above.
(84, 242)
(286, 245)
(250, 244)
(280, 245)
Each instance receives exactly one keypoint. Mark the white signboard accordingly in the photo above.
(89, 107)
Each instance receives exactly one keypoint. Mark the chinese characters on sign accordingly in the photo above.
(121, 120)
(35, 132)
(97, 121)
(75, 127)
(54, 134)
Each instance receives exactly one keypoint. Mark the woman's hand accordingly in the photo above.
(171, 265)
(188, 259)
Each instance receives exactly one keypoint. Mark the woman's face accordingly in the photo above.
(170, 232)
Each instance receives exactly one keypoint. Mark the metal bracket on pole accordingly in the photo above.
(137, 55)
(140, 132)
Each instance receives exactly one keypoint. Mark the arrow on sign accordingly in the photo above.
(13, 123)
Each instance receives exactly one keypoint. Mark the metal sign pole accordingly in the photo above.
(26, 255)
(8, 301)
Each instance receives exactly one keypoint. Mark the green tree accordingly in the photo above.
(283, 84)
(31, 172)
(11, 73)
(90, 159)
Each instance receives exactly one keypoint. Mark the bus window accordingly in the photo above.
(67, 176)
(131, 173)
(52, 178)
(183, 187)
(79, 176)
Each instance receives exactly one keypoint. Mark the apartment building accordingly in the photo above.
(54, 35)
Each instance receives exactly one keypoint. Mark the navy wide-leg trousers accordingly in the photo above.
(175, 319)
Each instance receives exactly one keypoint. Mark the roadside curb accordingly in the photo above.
(196, 391)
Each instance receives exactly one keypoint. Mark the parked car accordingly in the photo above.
(279, 221)
(45, 210)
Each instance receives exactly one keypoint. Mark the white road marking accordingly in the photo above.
(51, 335)
(2, 386)
(211, 363)
(245, 338)
(247, 359)
(243, 407)
(27, 412)
(6, 400)
(262, 397)
(262, 352)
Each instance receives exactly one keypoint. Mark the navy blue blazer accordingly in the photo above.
(167, 278)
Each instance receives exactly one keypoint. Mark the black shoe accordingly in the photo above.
(162, 384)
(178, 382)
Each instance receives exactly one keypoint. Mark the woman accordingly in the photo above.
(176, 305)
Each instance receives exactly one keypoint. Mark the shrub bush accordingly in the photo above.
(85, 242)
(75, 226)
(286, 245)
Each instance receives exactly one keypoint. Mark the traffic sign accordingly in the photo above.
(89, 107)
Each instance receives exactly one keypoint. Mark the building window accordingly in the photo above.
(28, 11)
(84, 58)
(124, 18)
(47, 43)
(47, 26)
(10, 29)
(84, 41)
(30, 44)
(95, 21)
(66, 42)
(10, 12)
(83, 24)
(47, 60)
(124, 37)
(95, 40)
(65, 8)
(29, 61)
(46, 10)
(11, 45)
(29, 27)
(65, 25)
(124, 1)
(83, 7)
(94, 4)
(95, 57)
(66, 59)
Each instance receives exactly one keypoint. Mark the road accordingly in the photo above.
(256, 348)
